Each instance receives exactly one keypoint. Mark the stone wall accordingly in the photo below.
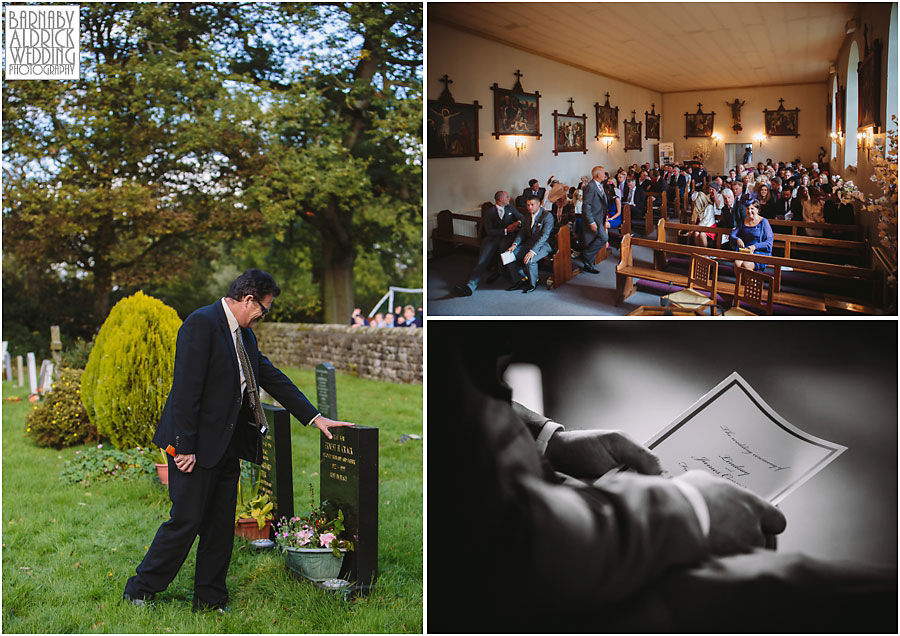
(392, 355)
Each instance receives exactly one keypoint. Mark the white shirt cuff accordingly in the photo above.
(697, 503)
(316, 416)
(550, 427)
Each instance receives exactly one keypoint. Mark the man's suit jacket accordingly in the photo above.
(203, 405)
(537, 237)
(527, 193)
(640, 194)
(594, 209)
(495, 227)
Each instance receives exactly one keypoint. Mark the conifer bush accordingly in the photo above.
(59, 419)
(129, 372)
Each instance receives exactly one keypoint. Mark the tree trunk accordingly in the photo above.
(337, 281)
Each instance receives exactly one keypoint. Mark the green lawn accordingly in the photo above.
(68, 550)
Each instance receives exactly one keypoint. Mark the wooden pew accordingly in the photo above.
(649, 225)
(852, 252)
(444, 239)
(627, 271)
(794, 227)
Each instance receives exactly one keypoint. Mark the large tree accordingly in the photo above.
(342, 128)
(194, 124)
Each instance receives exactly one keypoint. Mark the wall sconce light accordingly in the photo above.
(607, 141)
(759, 138)
(866, 139)
(519, 143)
(717, 138)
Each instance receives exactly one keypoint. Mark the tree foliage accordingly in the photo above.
(197, 130)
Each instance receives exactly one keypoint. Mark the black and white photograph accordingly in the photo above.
(612, 476)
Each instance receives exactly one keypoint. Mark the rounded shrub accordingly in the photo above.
(59, 419)
(129, 371)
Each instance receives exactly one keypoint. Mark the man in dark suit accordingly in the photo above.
(593, 227)
(212, 419)
(640, 192)
(500, 222)
(531, 244)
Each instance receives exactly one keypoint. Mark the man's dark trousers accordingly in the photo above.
(203, 503)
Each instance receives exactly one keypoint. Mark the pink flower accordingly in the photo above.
(99, 445)
(326, 539)
(304, 536)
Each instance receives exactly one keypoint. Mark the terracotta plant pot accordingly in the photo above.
(249, 529)
(315, 564)
(163, 471)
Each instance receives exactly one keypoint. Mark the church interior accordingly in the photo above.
(520, 91)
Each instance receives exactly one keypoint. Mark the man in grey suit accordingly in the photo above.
(500, 222)
(530, 246)
(593, 225)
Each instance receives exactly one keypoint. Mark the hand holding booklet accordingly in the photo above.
(507, 257)
(731, 432)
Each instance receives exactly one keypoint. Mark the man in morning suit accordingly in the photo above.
(500, 222)
(213, 418)
(593, 226)
(531, 244)
(580, 547)
(533, 190)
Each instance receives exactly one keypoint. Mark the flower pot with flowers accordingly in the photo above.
(310, 543)
(253, 511)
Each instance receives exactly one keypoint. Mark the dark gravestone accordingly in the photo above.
(348, 478)
(326, 391)
(275, 470)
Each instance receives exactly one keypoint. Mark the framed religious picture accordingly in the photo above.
(699, 124)
(651, 126)
(452, 126)
(515, 111)
(607, 119)
(633, 134)
(569, 131)
(869, 71)
(782, 122)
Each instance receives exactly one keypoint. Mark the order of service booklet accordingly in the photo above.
(731, 432)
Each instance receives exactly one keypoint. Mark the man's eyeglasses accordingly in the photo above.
(265, 310)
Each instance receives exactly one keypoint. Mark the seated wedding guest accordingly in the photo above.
(812, 205)
(725, 218)
(740, 203)
(732, 176)
(582, 548)
(531, 244)
(533, 189)
(614, 214)
(620, 183)
(763, 195)
(500, 222)
(834, 210)
(755, 234)
(704, 213)
(656, 185)
(562, 209)
(584, 181)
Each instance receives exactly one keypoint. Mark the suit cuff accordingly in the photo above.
(550, 427)
(697, 503)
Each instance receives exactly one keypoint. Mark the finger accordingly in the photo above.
(636, 457)
(324, 430)
(772, 520)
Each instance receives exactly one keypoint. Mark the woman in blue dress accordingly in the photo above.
(754, 234)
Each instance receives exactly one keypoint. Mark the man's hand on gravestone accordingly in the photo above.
(323, 424)
(592, 453)
(185, 463)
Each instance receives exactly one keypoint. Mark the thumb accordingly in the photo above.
(772, 520)
(636, 457)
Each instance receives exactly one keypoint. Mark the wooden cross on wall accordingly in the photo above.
(571, 110)
(517, 87)
(446, 97)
